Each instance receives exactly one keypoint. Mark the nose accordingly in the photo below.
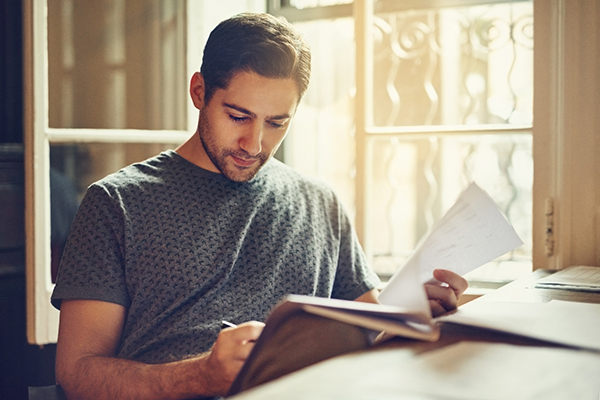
(251, 140)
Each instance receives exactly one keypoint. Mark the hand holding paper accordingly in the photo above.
(473, 231)
(444, 291)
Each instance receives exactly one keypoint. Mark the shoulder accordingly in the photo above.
(308, 192)
(294, 184)
(133, 184)
(147, 176)
(148, 171)
(279, 172)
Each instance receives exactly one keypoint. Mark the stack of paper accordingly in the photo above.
(578, 278)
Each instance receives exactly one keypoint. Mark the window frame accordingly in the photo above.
(365, 127)
(566, 199)
(566, 190)
(201, 18)
(363, 12)
(42, 317)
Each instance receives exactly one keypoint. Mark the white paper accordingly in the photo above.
(563, 322)
(407, 290)
(580, 278)
(473, 231)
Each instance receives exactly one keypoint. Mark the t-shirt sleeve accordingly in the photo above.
(92, 265)
(354, 276)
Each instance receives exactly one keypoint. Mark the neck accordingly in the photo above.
(193, 151)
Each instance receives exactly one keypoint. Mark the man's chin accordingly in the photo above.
(240, 175)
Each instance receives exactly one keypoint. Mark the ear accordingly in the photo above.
(197, 90)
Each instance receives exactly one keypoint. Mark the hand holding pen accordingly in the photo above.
(227, 324)
(229, 352)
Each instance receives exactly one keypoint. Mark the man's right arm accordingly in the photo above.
(87, 367)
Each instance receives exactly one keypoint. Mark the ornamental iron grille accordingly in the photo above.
(450, 101)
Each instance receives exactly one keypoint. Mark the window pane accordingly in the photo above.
(321, 138)
(73, 167)
(117, 64)
(415, 181)
(454, 66)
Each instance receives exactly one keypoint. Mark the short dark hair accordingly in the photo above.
(260, 43)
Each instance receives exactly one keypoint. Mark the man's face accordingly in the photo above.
(242, 126)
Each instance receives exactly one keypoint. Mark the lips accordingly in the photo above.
(244, 162)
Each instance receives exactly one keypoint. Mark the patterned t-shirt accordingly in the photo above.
(184, 248)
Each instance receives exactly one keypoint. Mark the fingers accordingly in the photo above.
(236, 343)
(454, 280)
(444, 298)
(437, 309)
(248, 331)
(231, 349)
(441, 299)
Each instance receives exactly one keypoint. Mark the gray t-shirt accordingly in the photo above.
(184, 248)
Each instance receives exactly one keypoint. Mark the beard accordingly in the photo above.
(220, 156)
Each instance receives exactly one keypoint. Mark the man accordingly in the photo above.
(162, 251)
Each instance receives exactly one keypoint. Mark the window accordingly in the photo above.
(385, 152)
(410, 101)
(104, 73)
(106, 86)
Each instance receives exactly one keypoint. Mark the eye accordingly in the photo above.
(278, 123)
(275, 125)
(237, 119)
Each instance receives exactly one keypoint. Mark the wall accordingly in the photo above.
(566, 133)
(21, 364)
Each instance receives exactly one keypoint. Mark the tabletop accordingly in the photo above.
(465, 363)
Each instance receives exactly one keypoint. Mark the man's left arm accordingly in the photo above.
(443, 296)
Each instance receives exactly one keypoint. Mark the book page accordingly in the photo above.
(563, 322)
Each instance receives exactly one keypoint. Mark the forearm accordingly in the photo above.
(97, 377)
(86, 366)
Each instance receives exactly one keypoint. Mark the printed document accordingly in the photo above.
(473, 231)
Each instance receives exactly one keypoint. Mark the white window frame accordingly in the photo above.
(202, 17)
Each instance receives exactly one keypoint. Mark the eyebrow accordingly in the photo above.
(253, 115)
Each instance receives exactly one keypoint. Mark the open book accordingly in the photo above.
(293, 338)
(473, 231)
(393, 320)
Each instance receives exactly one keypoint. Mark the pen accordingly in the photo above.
(227, 324)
